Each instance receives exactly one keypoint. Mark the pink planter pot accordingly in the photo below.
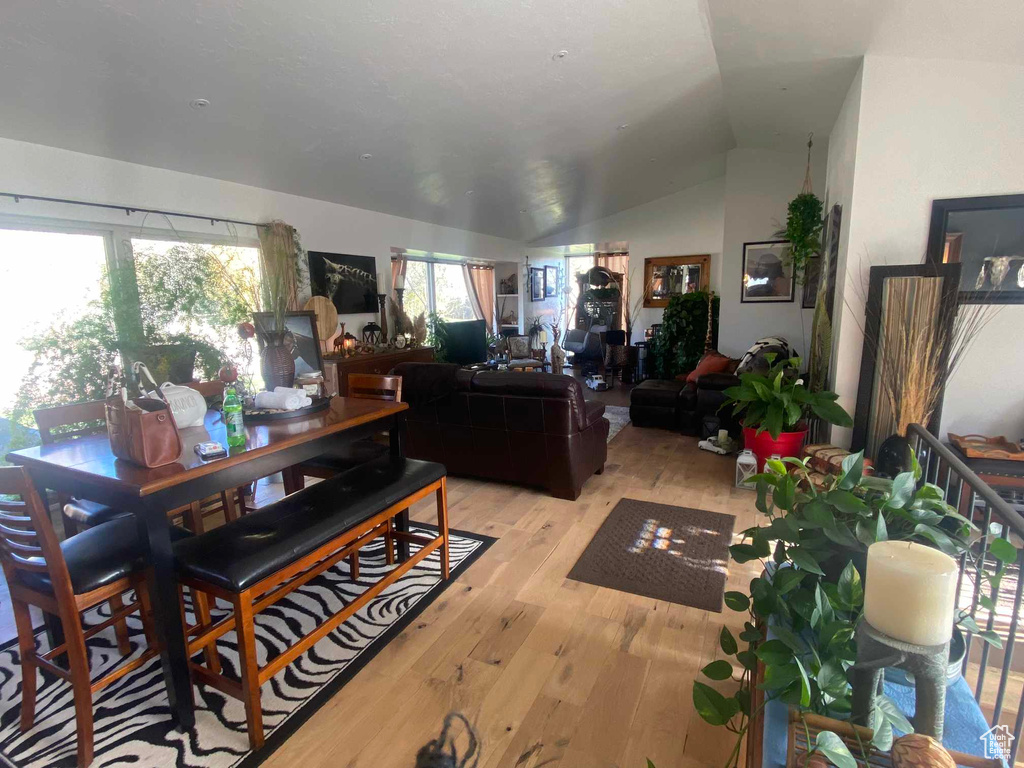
(764, 446)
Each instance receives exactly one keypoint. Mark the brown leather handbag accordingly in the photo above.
(142, 429)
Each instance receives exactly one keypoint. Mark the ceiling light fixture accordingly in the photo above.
(366, 156)
(199, 103)
(469, 191)
(560, 55)
(623, 127)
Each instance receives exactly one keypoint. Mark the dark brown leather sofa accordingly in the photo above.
(529, 428)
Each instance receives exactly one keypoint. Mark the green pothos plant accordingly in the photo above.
(810, 594)
(804, 224)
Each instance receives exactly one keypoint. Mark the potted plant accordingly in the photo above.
(279, 268)
(811, 610)
(775, 407)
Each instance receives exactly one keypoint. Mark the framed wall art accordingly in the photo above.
(668, 276)
(986, 236)
(767, 273)
(348, 281)
(536, 284)
(301, 326)
(550, 281)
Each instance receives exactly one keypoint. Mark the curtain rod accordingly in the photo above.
(129, 209)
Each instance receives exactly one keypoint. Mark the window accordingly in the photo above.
(451, 299)
(416, 299)
(575, 265)
(437, 287)
(57, 311)
(77, 298)
(196, 294)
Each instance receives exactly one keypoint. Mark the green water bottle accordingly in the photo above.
(233, 419)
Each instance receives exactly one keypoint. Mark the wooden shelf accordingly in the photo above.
(508, 295)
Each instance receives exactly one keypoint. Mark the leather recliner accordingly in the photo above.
(528, 428)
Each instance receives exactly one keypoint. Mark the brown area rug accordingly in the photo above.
(657, 550)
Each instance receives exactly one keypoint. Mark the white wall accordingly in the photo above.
(759, 184)
(839, 188)
(933, 129)
(684, 223)
(37, 170)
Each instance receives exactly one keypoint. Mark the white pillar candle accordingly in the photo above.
(910, 592)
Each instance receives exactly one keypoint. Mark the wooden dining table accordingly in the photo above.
(86, 468)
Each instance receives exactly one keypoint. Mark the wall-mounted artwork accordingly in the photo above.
(767, 274)
(305, 342)
(349, 281)
(986, 236)
(668, 276)
(550, 281)
(536, 284)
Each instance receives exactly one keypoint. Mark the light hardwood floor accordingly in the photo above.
(549, 671)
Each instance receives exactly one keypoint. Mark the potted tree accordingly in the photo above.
(775, 407)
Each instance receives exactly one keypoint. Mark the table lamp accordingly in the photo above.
(909, 602)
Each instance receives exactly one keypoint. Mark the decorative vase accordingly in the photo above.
(276, 362)
(764, 446)
(894, 455)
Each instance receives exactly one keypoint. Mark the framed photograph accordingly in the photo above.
(766, 275)
(349, 281)
(986, 236)
(536, 284)
(550, 281)
(812, 278)
(305, 343)
(668, 276)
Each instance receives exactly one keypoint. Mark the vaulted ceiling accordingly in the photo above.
(473, 117)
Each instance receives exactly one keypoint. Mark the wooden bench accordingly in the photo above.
(258, 559)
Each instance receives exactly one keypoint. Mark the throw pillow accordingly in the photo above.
(712, 362)
(754, 361)
(518, 347)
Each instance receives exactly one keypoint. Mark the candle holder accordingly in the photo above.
(927, 663)
(383, 299)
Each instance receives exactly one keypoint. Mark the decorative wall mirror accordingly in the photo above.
(668, 276)
(986, 236)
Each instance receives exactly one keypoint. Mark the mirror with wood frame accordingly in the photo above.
(668, 276)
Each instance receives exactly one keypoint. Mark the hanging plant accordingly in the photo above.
(803, 230)
(804, 223)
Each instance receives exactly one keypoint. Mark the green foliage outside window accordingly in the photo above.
(186, 294)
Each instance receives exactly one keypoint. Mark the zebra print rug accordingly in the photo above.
(132, 718)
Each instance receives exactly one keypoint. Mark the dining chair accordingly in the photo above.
(69, 422)
(361, 386)
(65, 579)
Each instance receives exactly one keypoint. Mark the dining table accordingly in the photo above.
(87, 468)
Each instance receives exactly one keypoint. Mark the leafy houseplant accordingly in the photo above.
(811, 612)
(804, 222)
(778, 403)
(680, 343)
